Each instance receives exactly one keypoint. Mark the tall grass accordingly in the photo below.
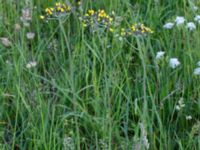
(94, 91)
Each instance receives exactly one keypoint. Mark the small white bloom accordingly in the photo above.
(174, 62)
(189, 117)
(159, 55)
(121, 38)
(178, 108)
(198, 63)
(197, 71)
(182, 105)
(179, 20)
(197, 18)
(26, 15)
(168, 25)
(5, 41)
(30, 35)
(31, 64)
(195, 8)
(191, 26)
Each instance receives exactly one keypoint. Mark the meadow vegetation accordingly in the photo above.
(99, 74)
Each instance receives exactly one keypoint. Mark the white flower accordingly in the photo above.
(26, 15)
(168, 25)
(180, 104)
(31, 64)
(191, 26)
(198, 63)
(159, 55)
(30, 35)
(5, 41)
(197, 71)
(174, 62)
(195, 8)
(178, 108)
(179, 20)
(17, 27)
(197, 18)
(189, 117)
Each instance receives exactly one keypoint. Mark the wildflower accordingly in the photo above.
(31, 64)
(139, 29)
(123, 33)
(195, 8)
(91, 12)
(180, 104)
(174, 62)
(42, 17)
(198, 63)
(97, 20)
(178, 107)
(145, 29)
(30, 35)
(111, 30)
(102, 14)
(17, 27)
(197, 71)
(168, 25)
(179, 20)
(5, 41)
(189, 117)
(191, 26)
(133, 28)
(26, 15)
(79, 3)
(58, 10)
(159, 55)
(197, 18)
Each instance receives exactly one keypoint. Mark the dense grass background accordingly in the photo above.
(93, 91)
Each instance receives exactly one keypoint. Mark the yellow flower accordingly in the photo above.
(42, 17)
(91, 12)
(102, 14)
(86, 15)
(123, 33)
(84, 25)
(58, 4)
(110, 19)
(79, 3)
(62, 10)
(49, 11)
(111, 30)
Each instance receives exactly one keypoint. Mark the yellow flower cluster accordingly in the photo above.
(56, 11)
(98, 19)
(136, 29)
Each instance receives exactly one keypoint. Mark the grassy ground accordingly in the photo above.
(89, 90)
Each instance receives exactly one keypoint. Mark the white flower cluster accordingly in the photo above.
(31, 64)
(180, 104)
(188, 117)
(197, 18)
(197, 70)
(173, 62)
(159, 55)
(180, 20)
